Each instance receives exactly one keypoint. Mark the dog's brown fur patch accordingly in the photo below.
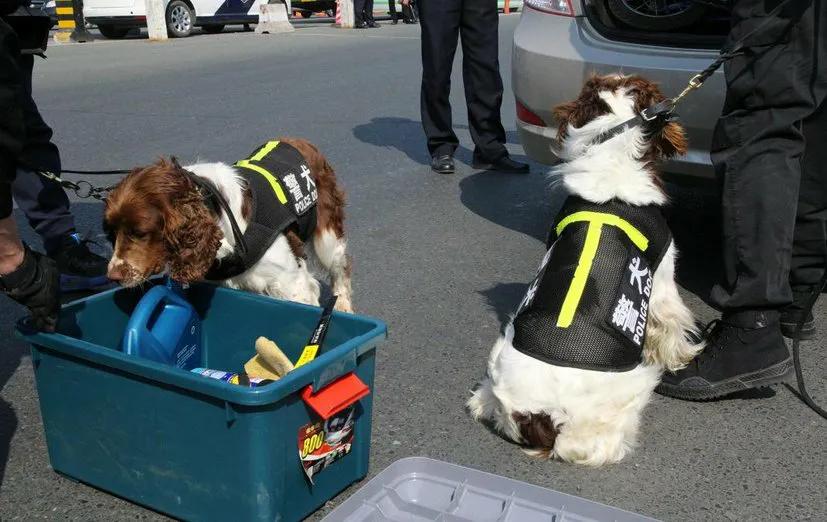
(538, 432)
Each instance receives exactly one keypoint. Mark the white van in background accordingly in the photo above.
(115, 18)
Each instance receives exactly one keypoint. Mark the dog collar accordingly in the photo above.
(652, 119)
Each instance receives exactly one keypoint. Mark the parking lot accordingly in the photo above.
(442, 259)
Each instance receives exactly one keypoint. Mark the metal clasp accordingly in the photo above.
(694, 83)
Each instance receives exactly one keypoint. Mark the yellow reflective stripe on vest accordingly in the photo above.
(596, 221)
(264, 151)
(634, 234)
(258, 156)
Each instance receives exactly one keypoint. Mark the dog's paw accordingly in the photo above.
(343, 305)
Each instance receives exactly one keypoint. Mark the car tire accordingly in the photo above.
(307, 14)
(180, 18)
(213, 28)
(667, 22)
(113, 32)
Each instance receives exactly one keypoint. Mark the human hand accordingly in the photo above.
(36, 285)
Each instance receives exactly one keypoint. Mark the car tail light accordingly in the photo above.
(558, 7)
(524, 114)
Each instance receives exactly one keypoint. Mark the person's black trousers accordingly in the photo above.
(475, 22)
(392, 10)
(770, 157)
(809, 255)
(363, 11)
(43, 201)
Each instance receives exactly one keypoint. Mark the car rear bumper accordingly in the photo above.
(553, 55)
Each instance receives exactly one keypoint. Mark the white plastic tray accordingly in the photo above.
(418, 489)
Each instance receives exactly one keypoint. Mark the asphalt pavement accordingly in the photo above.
(442, 259)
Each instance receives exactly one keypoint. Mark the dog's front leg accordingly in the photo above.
(671, 323)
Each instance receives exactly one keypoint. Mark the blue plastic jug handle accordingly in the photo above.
(149, 304)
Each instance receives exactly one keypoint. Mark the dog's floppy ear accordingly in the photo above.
(562, 114)
(585, 108)
(671, 140)
(191, 235)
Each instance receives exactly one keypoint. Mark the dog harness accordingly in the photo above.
(588, 306)
(283, 195)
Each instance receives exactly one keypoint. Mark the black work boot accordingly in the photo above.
(791, 315)
(80, 268)
(743, 351)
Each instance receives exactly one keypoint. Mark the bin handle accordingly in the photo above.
(336, 396)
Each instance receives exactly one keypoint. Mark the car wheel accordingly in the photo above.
(213, 28)
(657, 15)
(112, 31)
(307, 14)
(179, 19)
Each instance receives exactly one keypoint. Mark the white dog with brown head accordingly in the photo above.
(575, 367)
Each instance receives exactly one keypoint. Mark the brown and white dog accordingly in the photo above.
(158, 221)
(581, 415)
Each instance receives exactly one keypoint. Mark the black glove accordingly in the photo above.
(36, 285)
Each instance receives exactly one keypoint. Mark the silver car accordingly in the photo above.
(559, 43)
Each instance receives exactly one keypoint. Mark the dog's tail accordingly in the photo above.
(538, 433)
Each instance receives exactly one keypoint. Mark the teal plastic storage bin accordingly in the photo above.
(192, 447)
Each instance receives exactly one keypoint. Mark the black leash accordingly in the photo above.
(82, 189)
(96, 172)
(799, 375)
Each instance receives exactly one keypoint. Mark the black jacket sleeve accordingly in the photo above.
(10, 6)
(12, 129)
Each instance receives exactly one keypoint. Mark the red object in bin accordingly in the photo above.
(336, 396)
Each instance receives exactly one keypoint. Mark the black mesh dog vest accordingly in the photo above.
(587, 308)
(283, 195)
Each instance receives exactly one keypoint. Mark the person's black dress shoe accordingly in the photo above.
(504, 164)
(360, 25)
(443, 164)
(373, 25)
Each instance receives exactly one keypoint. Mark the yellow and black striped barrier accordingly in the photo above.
(71, 26)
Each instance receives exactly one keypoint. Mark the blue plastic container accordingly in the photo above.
(182, 444)
(165, 328)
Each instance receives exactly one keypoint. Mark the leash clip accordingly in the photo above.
(694, 83)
